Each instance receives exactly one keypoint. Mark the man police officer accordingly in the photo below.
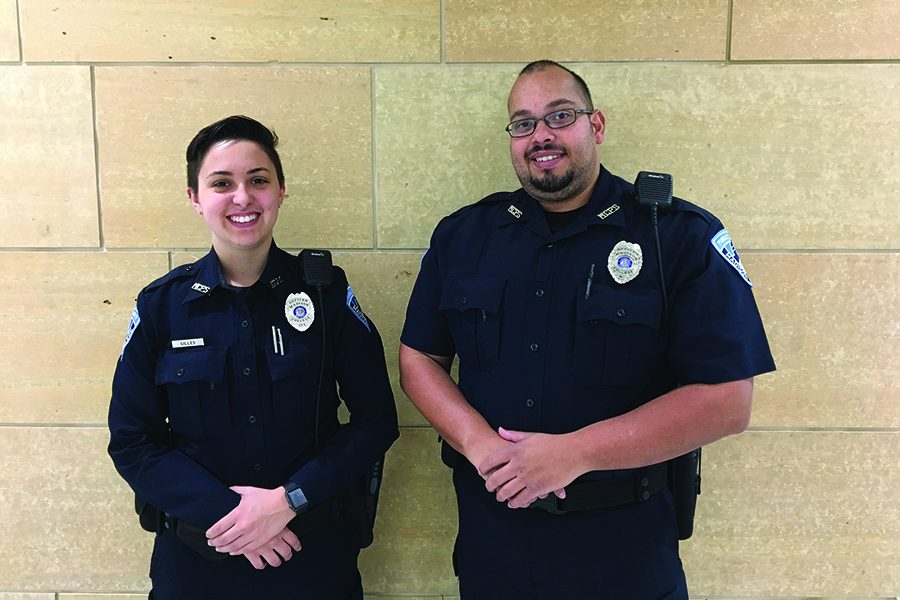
(578, 379)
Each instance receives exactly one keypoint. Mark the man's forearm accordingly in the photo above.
(426, 381)
(666, 427)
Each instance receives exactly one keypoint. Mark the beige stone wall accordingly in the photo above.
(783, 118)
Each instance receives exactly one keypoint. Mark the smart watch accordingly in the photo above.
(296, 499)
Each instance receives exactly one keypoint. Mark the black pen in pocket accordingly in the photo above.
(590, 281)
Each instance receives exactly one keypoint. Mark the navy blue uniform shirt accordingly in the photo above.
(215, 388)
(542, 348)
(549, 340)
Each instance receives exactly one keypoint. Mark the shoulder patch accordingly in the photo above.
(725, 248)
(132, 326)
(356, 309)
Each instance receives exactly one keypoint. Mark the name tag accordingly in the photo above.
(187, 343)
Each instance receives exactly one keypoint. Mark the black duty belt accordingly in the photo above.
(637, 486)
(194, 537)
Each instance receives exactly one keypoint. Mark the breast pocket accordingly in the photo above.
(472, 306)
(198, 396)
(294, 386)
(617, 335)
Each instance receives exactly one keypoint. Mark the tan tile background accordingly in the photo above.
(63, 321)
(231, 31)
(439, 146)
(525, 30)
(824, 29)
(90, 540)
(788, 156)
(832, 320)
(789, 514)
(47, 148)
(325, 148)
(9, 31)
(787, 129)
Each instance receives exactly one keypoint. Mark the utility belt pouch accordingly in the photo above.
(150, 518)
(449, 456)
(684, 482)
(361, 502)
(194, 538)
(155, 521)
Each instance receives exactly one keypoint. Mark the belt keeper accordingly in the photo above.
(550, 504)
(641, 493)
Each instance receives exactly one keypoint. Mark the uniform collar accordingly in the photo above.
(279, 274)
(603, 208)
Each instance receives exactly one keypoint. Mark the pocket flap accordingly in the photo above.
(296, 362)
(196, 364)
(622, 306)
(473, 292)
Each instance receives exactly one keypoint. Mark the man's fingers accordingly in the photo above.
(499, 478)
(511, 435)
(510, 490)
(521, 500)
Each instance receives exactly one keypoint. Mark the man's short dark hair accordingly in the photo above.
(236, 127)
(540, 65)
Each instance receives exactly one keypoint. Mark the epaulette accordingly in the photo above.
(682, 205)
(492, 199)
(180, 272)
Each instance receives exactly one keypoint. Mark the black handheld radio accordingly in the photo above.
(654, 190)
(316, 267)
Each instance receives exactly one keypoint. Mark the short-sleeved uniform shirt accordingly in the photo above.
(555, 331)
(216, 387)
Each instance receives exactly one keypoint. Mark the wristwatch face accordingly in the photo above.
(297, 500)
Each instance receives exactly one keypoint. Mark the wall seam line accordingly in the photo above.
(101, 234)
(19, 31)
(443, 39)
(729, 28)
(374, 158)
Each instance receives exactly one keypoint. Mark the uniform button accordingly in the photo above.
(245, 323)
(529, 403)
(534, 347)
(247, 371)
(189, 268)
(180, 372)
(257, 467)
(549, 245)
(645, 495)
(645, 482)
(463, 300)
(620, 313)
(252, 419)
(539, 293)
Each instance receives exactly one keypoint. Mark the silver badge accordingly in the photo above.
(199, 287)
(514, 211)
(624, 262)
(299, 310)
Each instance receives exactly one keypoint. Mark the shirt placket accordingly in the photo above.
(537, 318)
(249, 403)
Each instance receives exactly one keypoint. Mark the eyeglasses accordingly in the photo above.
(555, 120)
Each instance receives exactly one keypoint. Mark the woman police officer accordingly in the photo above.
(224, 401)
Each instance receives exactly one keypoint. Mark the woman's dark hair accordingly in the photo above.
(236, 127)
